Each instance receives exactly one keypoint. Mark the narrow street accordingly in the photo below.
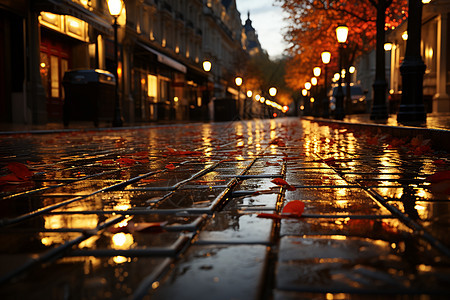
(196, 212)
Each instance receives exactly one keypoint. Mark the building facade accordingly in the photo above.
(161, 47)
(435, 44)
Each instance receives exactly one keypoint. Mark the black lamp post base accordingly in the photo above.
(379, 108)
(412, 109)
(412, 115)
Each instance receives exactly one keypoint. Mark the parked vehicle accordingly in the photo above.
(358, 103)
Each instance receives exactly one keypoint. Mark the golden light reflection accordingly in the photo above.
(122, 240)
(338, 237)
(120, 259)
(341, 204)
(341, 192)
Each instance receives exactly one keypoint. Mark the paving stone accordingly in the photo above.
(216, 272)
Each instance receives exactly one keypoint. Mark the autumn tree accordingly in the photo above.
(311, 30)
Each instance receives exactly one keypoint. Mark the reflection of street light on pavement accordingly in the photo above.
(341, 35)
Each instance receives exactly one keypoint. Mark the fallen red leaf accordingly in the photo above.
(282, 182)
(10, 179)
(108, 162)
(20, 170)
(438, 162)
(126, 161)
(294, 208)
(170, 167)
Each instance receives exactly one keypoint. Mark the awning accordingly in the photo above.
(67, 7)
(164, 59)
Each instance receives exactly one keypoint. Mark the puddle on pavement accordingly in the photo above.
(226, 227)
(85, 278)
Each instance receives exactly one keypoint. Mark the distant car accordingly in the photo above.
(358, 103)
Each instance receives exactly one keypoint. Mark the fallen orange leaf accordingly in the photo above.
(170, 167)
(20, 170)
(282, 182)
(293, 208)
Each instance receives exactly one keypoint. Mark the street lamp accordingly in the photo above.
(238, 81)
(341, 35)
(115, 8)
(273, 91)
(317, 71)
(326, 57)
(207, 66)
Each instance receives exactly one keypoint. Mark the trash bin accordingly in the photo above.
(89, 95)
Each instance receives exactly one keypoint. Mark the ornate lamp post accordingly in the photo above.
(238, 81)
(326, 57)
(379, 107)
(115, 8)
(341, 35)
(412, 69)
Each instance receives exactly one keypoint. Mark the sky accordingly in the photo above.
(267, 19)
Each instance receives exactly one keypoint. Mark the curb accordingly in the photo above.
(440, 138)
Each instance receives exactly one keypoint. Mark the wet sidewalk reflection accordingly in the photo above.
(196, 211)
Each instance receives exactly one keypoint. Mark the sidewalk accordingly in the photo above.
(195, 211)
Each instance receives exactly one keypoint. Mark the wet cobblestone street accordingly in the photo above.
(193, 212)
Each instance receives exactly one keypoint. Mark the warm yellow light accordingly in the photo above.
(115, 7)
(316, 71)
(262, 99)
(175, 99)
(326, 57)
(273, 91)
(43, 65)
(257, 97)
(307, 85)
(426, 1)
(304, 92)
(314, 81)
(249, 93)
(387, 46)
(238, 81)
(207, 66)
(342, 33)
(311, 99)
(302, 107)
(405, 35)
(352, 69)
(336, 76)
